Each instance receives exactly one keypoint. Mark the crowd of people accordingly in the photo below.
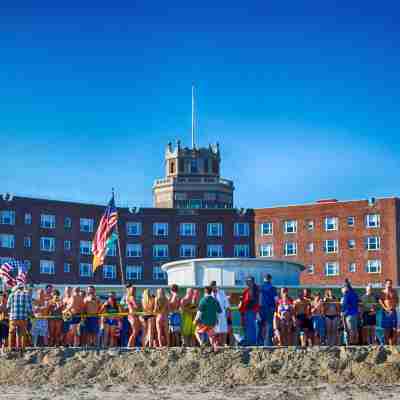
(164, 318)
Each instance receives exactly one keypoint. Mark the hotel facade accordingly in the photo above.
(193, 217)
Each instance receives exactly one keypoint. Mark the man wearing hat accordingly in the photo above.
(19, 306)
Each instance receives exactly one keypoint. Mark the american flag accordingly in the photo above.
(6, 270)
(103, 233)
(22, 276)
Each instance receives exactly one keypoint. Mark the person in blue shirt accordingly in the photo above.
(268, 299)
(349, 305)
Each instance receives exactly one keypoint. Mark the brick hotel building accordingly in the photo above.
(193, 217)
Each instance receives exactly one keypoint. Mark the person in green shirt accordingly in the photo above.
(368, 306)
(207, 318)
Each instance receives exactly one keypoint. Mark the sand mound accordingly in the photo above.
(180, 366)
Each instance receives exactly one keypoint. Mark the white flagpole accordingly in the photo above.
(193, 144)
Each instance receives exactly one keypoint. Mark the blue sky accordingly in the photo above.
(303, 97)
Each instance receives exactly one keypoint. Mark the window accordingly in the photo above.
(67, 223)
(160, 229)
(331, 224)
(7, 217)
(134, 272)
(374, 266)
(373, 243)
(310, 225)
(47, 244)
(241, 250)
(47, 267)
(214, 229)
(267, 250)
(290, 226)
(28, 264)
(187, 251)
(266, 228)
(27, 242)
(193, 166)
(332, 269)
(109, 271)
(133, 250)
(372, 221)
(86, 224)
(351, 221)
(5, 260)
(331, 246)
(47, 221)
(28, 219)
(7, 241)
(310, 247)
(290, 248)
(187, 229)
(215, 250)
(351, 244)
(310, 269)
(67, 245)
(158, 273)
(85, 270)
(160, 251)
(112, 250)
(352, 267)
(133, 228)
(67, 268)
(85, 247)
(241, 229)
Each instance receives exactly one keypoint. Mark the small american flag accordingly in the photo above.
(22, 276)
(103, 233)
(6, 272)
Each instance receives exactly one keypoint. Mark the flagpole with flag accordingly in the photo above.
(107, 233)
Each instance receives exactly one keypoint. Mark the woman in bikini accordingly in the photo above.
(56, 321)
(133, 318)
(187, 317)
(161, 312)
(147, 319)
(284, 320)
(111, 324)
(331, 310)
(318, 320)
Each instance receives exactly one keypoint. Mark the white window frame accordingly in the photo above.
(211, 231)
(187, 250)
(28, 264)
(290, 226)
(28, 219)
(352, 267)
(335, 247)
(47, 267)
(85, 270)
(48, 244)
(269, 231)
(351, 218)
(7, 217)
(67, 268)
(7, 241)
(373, 243)
(266, 250)
(157, 248)
(310, 247)
(241, 229)
(133, 228)
(374, 267)
(134, 250)
(241, 250)
(158, 227)
(349, 245)
(67, 245)
(86, 225)
(47, 221)
(187, 229)
(218, 249)
(134, 272)
(310, 269)
(27, 242)
(158, 273)
(310, 225)
(373, 221)
(331, 224)
(334, 271)
(109, 272)
(290, 245)
(112, 250)
(85, 244)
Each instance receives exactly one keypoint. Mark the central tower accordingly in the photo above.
(192, 179)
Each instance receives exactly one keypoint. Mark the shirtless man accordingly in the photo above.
(389, 301)
(302, 311)
(174, 317)
(75, 306)
(318, 320)
(91, 306)
(40, 326)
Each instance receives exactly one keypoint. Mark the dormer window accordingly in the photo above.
(172, 167)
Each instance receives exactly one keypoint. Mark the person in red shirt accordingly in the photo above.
(249, 308)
